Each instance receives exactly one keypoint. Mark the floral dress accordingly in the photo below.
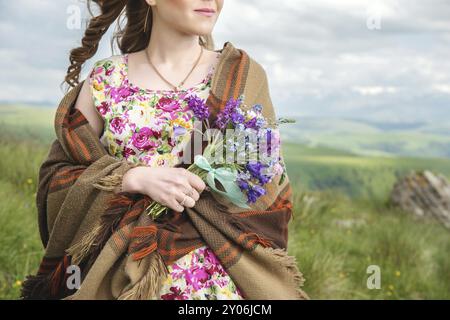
(152, 127)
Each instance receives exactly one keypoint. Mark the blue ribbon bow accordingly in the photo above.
(227, 177)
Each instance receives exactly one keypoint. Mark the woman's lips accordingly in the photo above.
(206, 12)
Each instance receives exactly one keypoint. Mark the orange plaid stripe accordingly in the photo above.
(64, 178)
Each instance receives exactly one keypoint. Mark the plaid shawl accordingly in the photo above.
(122, 253)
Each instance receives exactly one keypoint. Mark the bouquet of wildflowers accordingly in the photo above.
(242, 154)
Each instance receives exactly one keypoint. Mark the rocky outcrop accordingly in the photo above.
(424, 194)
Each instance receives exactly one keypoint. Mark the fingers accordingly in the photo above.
(185, 200)
(195, 195)
(188, 201)
(185, 185)
(195, 181)
(175, 205)
(175, 200)
(188, 180)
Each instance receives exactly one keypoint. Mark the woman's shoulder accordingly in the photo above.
(109, 70)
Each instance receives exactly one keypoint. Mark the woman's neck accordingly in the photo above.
(170, 48)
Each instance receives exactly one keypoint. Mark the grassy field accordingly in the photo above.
(342, 222)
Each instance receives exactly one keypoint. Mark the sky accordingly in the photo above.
(378, 60)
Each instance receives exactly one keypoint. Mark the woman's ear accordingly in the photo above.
(151, 2)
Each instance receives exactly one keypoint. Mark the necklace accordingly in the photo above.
(178, 87)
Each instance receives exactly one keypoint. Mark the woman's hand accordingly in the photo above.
(168, 186)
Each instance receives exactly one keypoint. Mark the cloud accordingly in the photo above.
(374, 91)
(442, 88)
(320, 56)
(329, 63)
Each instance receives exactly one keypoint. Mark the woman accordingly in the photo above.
(140, 104)
(171, 29)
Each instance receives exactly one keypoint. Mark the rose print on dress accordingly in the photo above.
(127, 152)
(121, 94)
(175, 294)
(103, 108)
(168, 104)
(145, 139)
(117, 125)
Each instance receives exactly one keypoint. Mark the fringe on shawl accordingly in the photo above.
(290, 263)
(91, 244)
(110, 219)
(81, 249)
(48, 285)
(149, 286)
(45, 286)
(36, 287)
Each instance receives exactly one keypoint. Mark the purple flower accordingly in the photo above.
(263, 179)
(255, 192)
(236, 117)
(243, 185)
(269, 141)
(199, 107)
(255, 170)
(224, 116)
(251, 123)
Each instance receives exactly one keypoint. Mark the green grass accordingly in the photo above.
(341, 225)
(335, 239)
(21, 248)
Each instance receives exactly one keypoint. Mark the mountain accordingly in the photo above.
(365, 137)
